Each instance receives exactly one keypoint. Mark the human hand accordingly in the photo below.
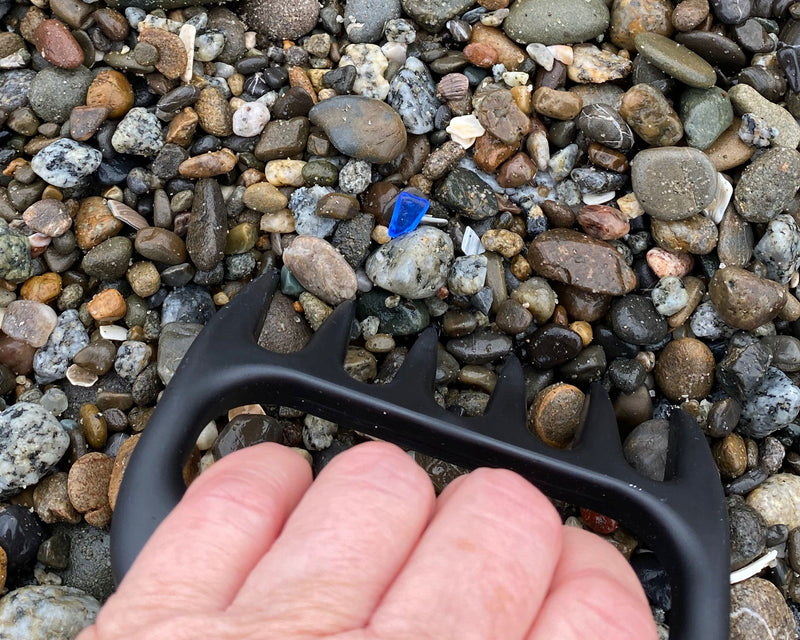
(367, 552)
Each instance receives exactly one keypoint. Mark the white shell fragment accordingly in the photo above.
(598, 198)
(755, 567)
(113, 332)
(465, 130)
(716, 209)
(187, 35)
(471, 244)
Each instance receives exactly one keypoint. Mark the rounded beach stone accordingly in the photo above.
(555, 414)
(280, 20)
(556, 21)
(777, 499)
(768, 185)
(414, 265)
(46, 612)
(743, 299)
(672, 183)
(645, 448)
(321, 269)
(685, 370)
(675, 60)
(758, 611)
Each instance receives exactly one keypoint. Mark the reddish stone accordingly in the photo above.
(481, 55)
(597, 522)
(57, 45)
(603, 222)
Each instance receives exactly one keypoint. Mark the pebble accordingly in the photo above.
(173, 343)
(303, 204)
(67, 338)
(670, 296)
(767, 185)
(139, 133)
(593, 65)
(745, 99)
(645, 448)
(250, 119)
(634, 319)
(553, 345)
(54, 92)
(555, 414)
(408, 318)
(51, 501)
(672, 183)
(15, 254)
(705, 114)
(412, 94)
(46, 612)
(208, 165)
(432, 16)
(244, 431)
(370, 64)
(20, 535)
(776, 499)
(743, 299)
(465, 192)
(629, 18)
(779, 249)
(584, 262)
(685, 370)
(278, 20)
(651, 116)
(321, 269)
(214, 114)
(355, 176)
(696, 234)
(773, 405)
(361, 127)
(414, 265)
(605, 125)
(112, 90)
(205, 236)
(758, 610)
(480, 347)
(57, 45)
(549, 22)
(748, 532)
(602, 222)
(675, 60)
(33, 441)
(502, 118)
(87, 486)
(109, 259)
(66, 163)
(172, 56)
(467, 275)
(190, 303)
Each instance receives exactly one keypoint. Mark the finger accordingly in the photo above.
(482, 568)
(343, 545)
(229, 517)
(594, 594)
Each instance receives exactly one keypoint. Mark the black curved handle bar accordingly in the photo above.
(683, 519)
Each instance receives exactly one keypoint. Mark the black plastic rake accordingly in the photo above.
(682, 519)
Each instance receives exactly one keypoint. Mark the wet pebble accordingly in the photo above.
(66, 163)
(555, 414)
(767, 185)
(635, 320)
(758, 609)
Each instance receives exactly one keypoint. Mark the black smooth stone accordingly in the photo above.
(731, 11)
(115, 170)
(635, 320)
(627, 374)
(588, 366)
(256, 85)
(21, 533)
(553, 345)
(239, 144)
(603, 124)
(777, 534)
(597, 181)
(770, 85)
(654, 579)
(245, 430)
(790, 33)
(746, 482)
(562, 133)
(645, 278)
(748, 532)
(481, 347)
(295, 102)
(723, 417)
(180, 97)
(251, 64)
(785, 352)
(276, 77)
(612, 345)
(789, 59)
(742, 370)
(205, 144)
(717, 50)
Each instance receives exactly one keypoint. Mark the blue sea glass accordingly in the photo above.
(408, 211)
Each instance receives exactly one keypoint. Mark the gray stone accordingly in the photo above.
(774, 405)
(173, 343)
(303, 205)
(465, 193)
(556, 21)
(46, 612)
(207, 232)
(705, 114)
(132, 357)
(645, 448)
(759, 612)
(353, 238)
(355, 176)
(284, 329)
(32, 441)
(779, 248)
(432, 14)
(396, 317)
(412, 93)
(745, 99)
(191, 304)
(50, 362)
(54, 92)
(468, 275)
(768, 185)
(414, 265)
(15, 254)
(66, 163)
(279, 20)
(364, 20)
(89, 566)
(139, 133)
(318, 433)
(14, 86)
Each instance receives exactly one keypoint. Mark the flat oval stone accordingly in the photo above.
(714, 48)
(768, 185)
(695, 234)
(672, 183)
(553, 345)
(745, 99)
(555, 414)
(634, 319)
(651, 116)
(321, 269)
(605, 125)
(556, 21)
(361, 127)
(481, 347)
(758, 610)
(579, 260)
(675, 60)
(705, 114)
(744, 300)
(629, 17)
(414, 265)
(685, 370)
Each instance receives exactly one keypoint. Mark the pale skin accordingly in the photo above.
(256, 551)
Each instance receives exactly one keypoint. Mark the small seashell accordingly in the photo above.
(453, 86)
(716, 210)
(187, 35)
(465, 130)
(113, 332)
(598, 198)
(755, 567)
(563, 53)
(80, 377)
(124, 213)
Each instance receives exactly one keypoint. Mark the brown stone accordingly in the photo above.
(743, 299)
(44, 288)
(583, 305)
(182, 127)
(120, 464)
(214, 113)
(112, 90)
(107, 306)
(481, 55)
(728, 150)
(688, 14)
(606, 158)
(558, 214)
(629, 17)
(299, 78)
(172, 56)
(264, 198)
(88, 480)
(730, 454)
(649, 114)
(695, 234)
(669, 263)
(339, 206)
(516, 171)
(685, 370)
(759, 611)
(49, 217)
(95, 223)
(57, 45)
(582, 261)
(500, 116)
(490, 152)
(93, 425)
(695, 289)
(51, 500)
(508, 52)
(555, 414)
(160, 245)
(85, 121)
(502, 241)
(112, 23)
(603, 222)
(735, 244)
(208, 165)
(561, 105)
(321, 269)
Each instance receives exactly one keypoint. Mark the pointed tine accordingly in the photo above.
(688, 454)
(244, 314)
(505, 413)
(329, 343)
(418, 372)
(598, 431)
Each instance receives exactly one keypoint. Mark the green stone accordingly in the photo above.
(556, 21)
(320, 172)
(409, 317)
(675, 60)
(15, 254)
(290, 286)
(705, 114)
(241, 238)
